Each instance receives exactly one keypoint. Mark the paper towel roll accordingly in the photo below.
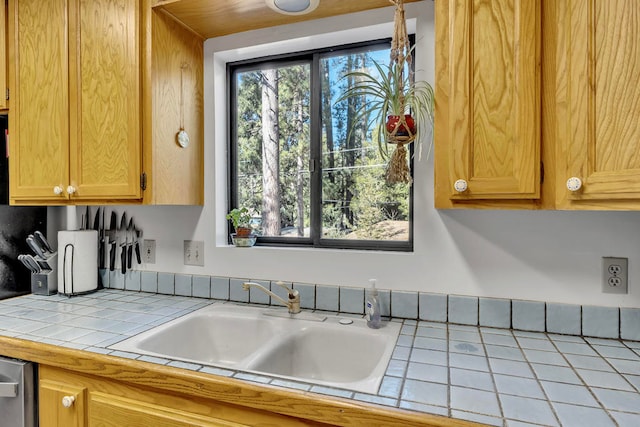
(77, 262)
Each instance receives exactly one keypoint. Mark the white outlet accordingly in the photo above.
(615, 275)
(149, 251)
(194, 252)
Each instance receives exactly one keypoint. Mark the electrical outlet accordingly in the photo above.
(615, 275)
(148, 251)
(194, 252)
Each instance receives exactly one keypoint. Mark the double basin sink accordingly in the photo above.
(325, 350)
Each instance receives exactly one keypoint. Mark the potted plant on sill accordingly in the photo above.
(240, 219)
(398, 107)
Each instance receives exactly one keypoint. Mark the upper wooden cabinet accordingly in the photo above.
(75, 124)
(173, 99)
(532, 93)
(100, 90)
(4, 54)
(598, 102)
(487, 124)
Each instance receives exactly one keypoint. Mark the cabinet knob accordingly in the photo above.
(460, 185)
(574, 183)
(67, 401)
(71, 189)
(57, 190)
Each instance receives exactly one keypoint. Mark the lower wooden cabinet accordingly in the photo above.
(68, 399)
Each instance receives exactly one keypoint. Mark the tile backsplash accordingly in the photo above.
(534, 316)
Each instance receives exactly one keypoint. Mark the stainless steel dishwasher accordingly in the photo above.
(17, 393)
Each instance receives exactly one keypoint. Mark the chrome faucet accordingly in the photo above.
(294, 296)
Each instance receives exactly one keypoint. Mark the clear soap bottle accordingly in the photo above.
(372, 306)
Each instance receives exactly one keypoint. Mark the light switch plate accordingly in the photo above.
(194, 252)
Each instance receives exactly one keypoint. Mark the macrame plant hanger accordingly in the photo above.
(398, 167)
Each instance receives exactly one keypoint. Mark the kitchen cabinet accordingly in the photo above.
(74, 400)
(537, 104)
(597, 103)
(61, 404)
(487, 124)
(101, 89)
(173, 99)
(4, 53)
(75, 125)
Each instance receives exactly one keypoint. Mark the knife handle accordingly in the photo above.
(123, 259)
(129, 255)
(112, 257)
(138, 257)
(100, 254)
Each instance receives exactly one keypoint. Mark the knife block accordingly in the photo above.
(46, 283)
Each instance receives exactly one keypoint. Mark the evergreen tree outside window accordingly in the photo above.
(306, 172)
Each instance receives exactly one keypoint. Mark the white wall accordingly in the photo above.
(546, 256)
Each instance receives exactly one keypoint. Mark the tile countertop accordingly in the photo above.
(494, 376)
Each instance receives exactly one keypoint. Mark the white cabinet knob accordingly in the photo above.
(67, 401)
(460, 186)
(574, 183)
(57, 190)
(71, 189)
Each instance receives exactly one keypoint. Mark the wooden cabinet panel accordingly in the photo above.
(113, 411)
(598, 101)
(77, 101)
(52, 412)
(105, 147)
(4, 54)
(487, 129)
(39, 121)
(108, 403)
(175, 100)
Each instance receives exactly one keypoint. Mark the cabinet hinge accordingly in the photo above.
(143, 181)
(7, 94)
(541, 172)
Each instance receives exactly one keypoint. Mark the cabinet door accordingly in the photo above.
(4, 54)
(52, 410)
(599, 107)
(105, 142)
(112, 411)
(39, 120)
(487, 129)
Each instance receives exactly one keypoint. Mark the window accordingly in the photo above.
(308, 174)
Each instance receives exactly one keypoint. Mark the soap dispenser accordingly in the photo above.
(372, 307)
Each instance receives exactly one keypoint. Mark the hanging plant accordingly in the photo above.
(397, 106)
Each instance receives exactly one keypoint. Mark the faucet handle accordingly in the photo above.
(292, 292)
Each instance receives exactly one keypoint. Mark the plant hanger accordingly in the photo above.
(398, 169)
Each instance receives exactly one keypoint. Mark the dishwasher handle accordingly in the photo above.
(8, 389)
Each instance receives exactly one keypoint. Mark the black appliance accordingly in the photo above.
(16, 223)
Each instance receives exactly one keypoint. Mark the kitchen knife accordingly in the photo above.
(137, 236)
(122, 231)
(96, 226)
(35, 265)
(87, 215)
(113, 240)
(27, 264)
(130, 243)
(35, 246)
(43, 241)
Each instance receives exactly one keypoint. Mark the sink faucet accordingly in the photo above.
(294, 296)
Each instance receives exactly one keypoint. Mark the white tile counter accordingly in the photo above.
(494, 376)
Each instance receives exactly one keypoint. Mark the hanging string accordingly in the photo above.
(402, 134)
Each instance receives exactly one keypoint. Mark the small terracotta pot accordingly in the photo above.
(393, 122)
(243, 232)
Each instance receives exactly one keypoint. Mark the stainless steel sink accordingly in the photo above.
(297, 347)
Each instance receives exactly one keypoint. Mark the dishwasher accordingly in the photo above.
(17, 393)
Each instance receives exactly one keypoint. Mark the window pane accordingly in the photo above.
(357, 203)
(273, 148)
